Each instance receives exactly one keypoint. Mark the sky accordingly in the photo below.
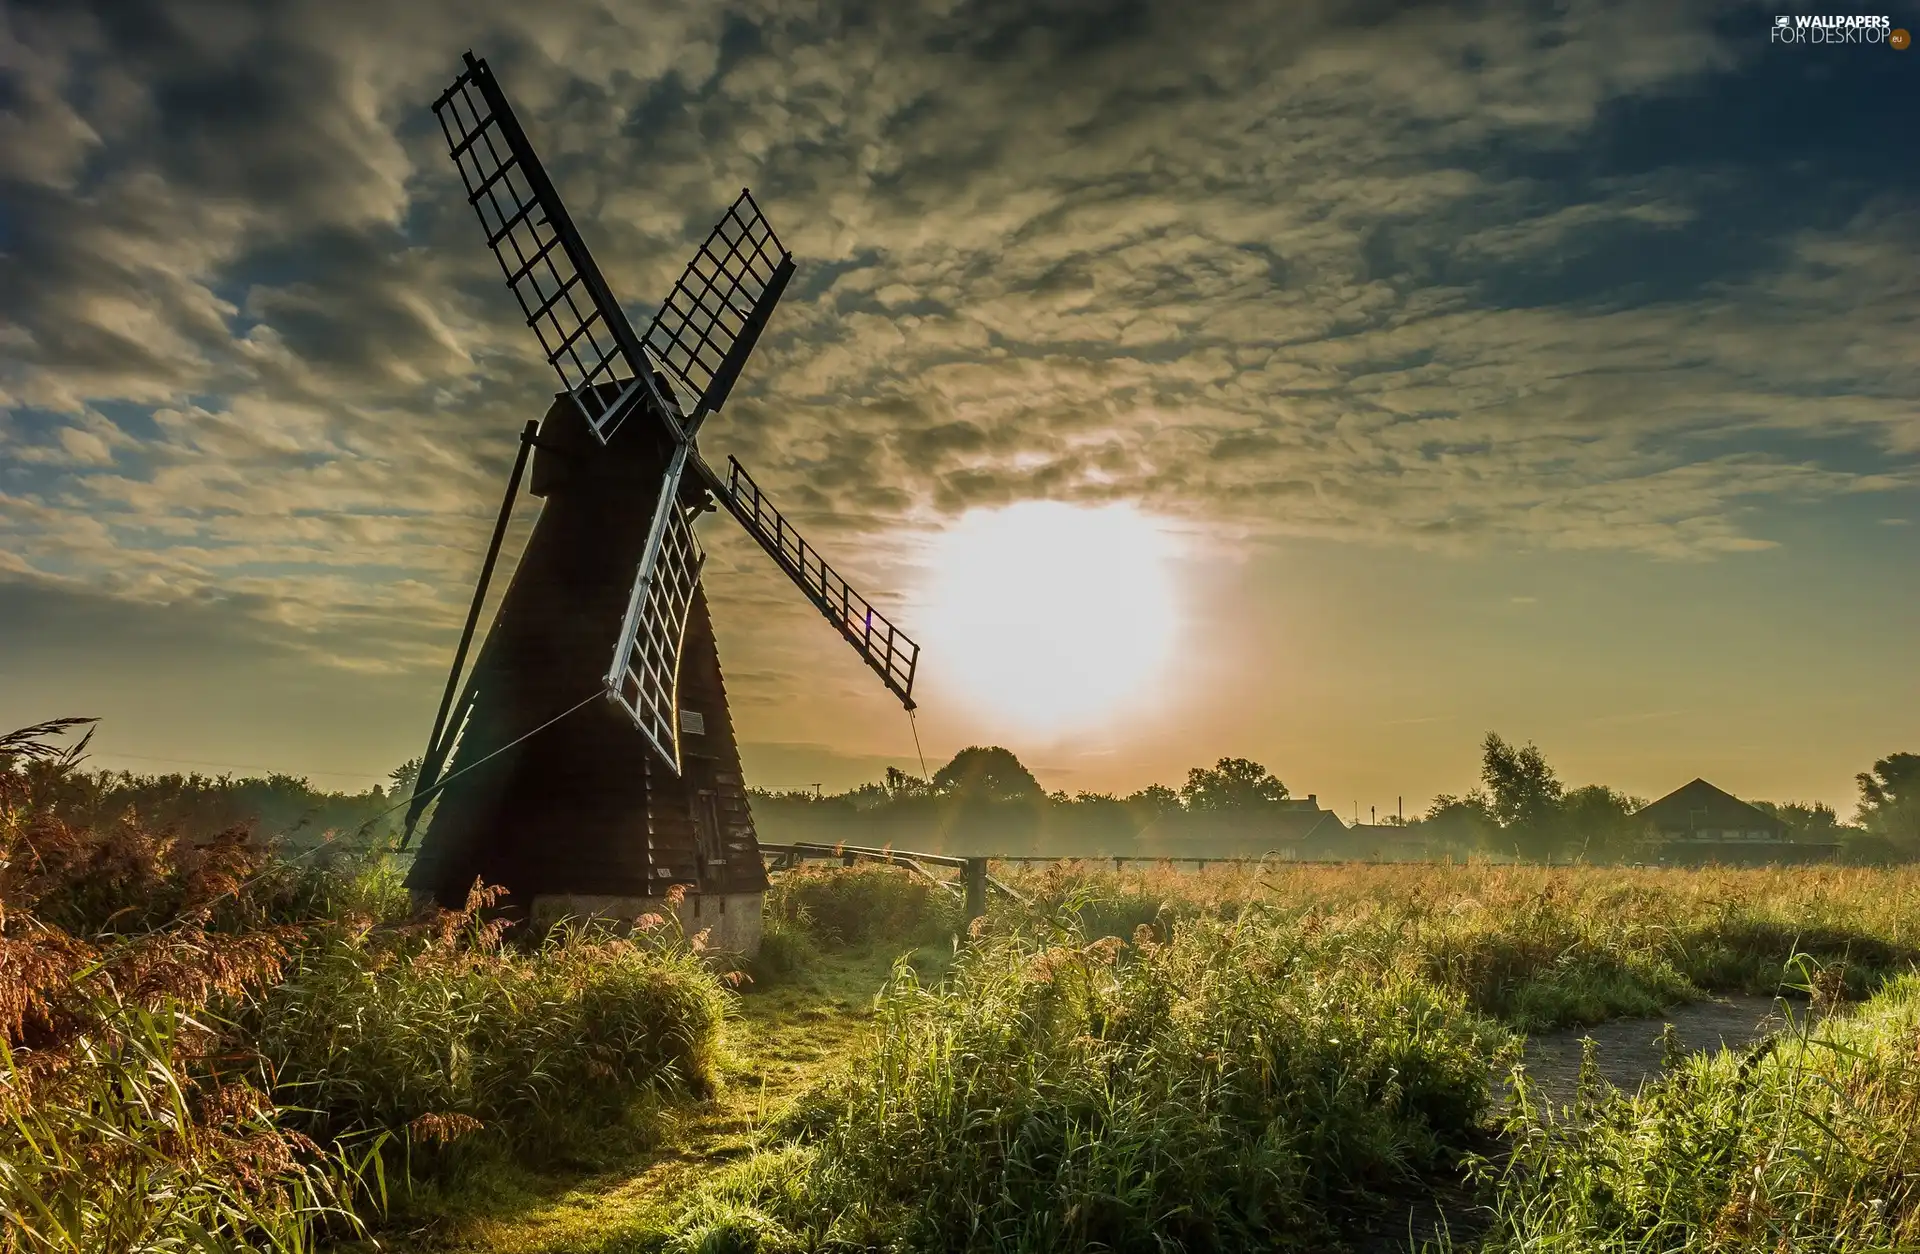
(1548, 369)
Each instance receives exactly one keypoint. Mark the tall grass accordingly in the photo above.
(134, 1145)
(1198, 1091)
(128, 1121)
(208, 1049)
(1249, 1059)
(865, 904)
(1807, 1141)
(1540, 947)
(428, 1032)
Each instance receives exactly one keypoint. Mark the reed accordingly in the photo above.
(208, 1048)
(1540, 947)
(865, 904)
(1804, 1142)
(407, 1029)
(1252, 1058)
(1198, 1090)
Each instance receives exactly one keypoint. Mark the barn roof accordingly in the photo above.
(1699, 806)
(1300, 824)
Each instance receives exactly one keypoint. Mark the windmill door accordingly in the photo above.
(710, 835)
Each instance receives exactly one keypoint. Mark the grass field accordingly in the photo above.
(213, 1050)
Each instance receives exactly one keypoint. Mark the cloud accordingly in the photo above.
(1397, 275)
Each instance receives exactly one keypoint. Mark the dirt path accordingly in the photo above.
(1628, 1050)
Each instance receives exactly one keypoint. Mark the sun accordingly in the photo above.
(1052, 615)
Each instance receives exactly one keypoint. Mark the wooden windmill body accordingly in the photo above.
(586, 762)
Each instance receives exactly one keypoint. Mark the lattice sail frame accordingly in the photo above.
(881, 645)
(712, 318)
(583, 332)
(644, 679)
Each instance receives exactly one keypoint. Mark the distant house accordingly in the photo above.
(1698, 823)
(1292, 828)
(1307, 831)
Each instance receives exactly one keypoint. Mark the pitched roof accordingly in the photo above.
(1300, 824)
(1268, 823)
(1699, 806)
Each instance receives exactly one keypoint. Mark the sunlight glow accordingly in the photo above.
(1052, 615)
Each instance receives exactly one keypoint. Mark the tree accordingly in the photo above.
(404, 777)
(1812, 818)
(986, 774)
(899, 785)
(1231, 784)
(868, 796)
(1154, 800)
(1890, 800)
(1894, 779)
(1596, 821)
(1464, 820)
(1522, 794)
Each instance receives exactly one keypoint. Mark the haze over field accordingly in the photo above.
(1315, 385)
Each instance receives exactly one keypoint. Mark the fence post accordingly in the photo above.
(975, 874)
(848, 859)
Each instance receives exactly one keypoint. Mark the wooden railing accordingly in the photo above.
(973, 871)
(974, 877)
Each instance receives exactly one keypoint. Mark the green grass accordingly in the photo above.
(122, 1149)
(1239, 1059)
(1274, 1062)
(541, 1048)
(1200, 1092)
(861, 905)
(1537, 948)
(779, 1040)
(1806, 1141)
(206, 1049)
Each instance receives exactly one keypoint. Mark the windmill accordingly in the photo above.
(586, 762)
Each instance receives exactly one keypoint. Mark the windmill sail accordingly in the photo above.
(872, 634)
(583, 332)
(645, 675)
(715, 313)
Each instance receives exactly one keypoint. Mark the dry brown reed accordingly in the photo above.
(167, 1077)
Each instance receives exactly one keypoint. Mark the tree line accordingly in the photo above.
(985, 800)
(1522, 807)
(1519, 808)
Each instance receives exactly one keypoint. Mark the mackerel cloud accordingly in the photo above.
(1401, 275)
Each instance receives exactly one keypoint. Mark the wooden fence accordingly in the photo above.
(974, 879)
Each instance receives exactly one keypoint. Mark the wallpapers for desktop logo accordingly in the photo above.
(1832, 29)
